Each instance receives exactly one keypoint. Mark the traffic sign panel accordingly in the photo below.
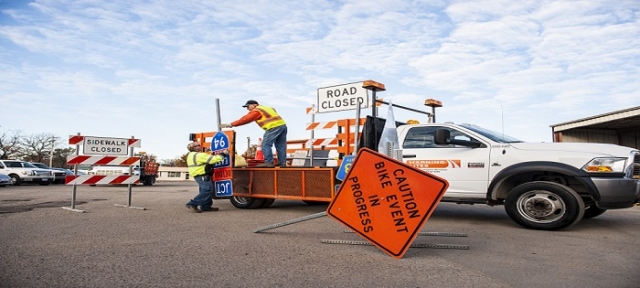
(105, 146)
(219, 141)
(223, 188)
(386, 201)
(345, 166)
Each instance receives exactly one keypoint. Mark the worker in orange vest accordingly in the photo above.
(275, 131)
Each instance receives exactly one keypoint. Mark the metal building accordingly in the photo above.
(619, 127)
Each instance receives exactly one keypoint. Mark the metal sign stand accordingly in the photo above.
(292, 221)
(130, 185)
(352, 242)
(435, 246)
(73, 193)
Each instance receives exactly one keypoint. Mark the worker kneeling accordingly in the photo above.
(197, 162)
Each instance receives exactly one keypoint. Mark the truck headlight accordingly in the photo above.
(606, 165)
(27, 173)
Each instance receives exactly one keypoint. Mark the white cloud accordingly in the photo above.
(106, 67)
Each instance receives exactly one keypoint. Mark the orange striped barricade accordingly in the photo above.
(93, 147)
(343, 143)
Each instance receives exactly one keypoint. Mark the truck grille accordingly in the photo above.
(42, 173)
(635, 166)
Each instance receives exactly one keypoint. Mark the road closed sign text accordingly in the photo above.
(386, 201)
(342, 97)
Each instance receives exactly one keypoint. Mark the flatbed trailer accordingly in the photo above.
(258, 187)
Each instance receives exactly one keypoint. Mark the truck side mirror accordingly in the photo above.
(442, 137)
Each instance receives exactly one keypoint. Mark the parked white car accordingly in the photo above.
(21, 171)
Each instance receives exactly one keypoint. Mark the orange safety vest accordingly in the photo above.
(269, 118)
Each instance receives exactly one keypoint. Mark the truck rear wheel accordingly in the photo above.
(544, 206)
(246, 202)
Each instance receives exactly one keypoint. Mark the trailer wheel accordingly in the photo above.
(314, 203)
(593, 211)
(544, 206)
(246, 202)
(267, 203)
(148, 181)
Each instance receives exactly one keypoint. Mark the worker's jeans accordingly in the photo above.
(204, 199)
(277, 135)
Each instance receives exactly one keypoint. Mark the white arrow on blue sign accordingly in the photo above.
(220, 141)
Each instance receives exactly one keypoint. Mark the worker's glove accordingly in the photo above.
(224, 153)
(225, 126)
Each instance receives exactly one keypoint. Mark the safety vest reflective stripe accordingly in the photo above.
(269, 119)
(197, 169)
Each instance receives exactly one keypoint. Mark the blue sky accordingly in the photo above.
(153, 69)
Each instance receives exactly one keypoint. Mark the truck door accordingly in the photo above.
(466, 169)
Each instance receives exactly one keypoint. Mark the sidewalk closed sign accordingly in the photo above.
(105, 146)
(385, 201)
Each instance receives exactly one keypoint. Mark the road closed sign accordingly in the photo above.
(342, 97)
(386, 201)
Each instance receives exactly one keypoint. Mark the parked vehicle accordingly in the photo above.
(4, 180)
(69, 171)
(58, 176)
(544, 186)
(21, 171)
(148, 174)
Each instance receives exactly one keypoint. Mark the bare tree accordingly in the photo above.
(181, 161)
(10, 144)
(145, 157)
(60, 157)
(37, 147)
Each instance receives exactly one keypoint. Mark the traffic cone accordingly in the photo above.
(259, 155)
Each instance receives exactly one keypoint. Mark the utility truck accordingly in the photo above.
(545, 186)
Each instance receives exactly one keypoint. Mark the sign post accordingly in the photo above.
(386, 201)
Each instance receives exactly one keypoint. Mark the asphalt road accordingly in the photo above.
(43, 245)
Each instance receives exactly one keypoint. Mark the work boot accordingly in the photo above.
(266, 165)
(193, 208)
(207, 209)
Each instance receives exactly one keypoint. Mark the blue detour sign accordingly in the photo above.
(344, 167)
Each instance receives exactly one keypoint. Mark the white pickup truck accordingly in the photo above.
(546, 186)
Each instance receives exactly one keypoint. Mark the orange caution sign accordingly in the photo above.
(386, 201)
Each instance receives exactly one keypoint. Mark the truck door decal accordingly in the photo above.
(435, 164)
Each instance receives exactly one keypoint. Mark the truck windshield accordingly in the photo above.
(495, 136)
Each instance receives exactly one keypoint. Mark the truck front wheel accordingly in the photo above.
(246, 202)
(544, 206)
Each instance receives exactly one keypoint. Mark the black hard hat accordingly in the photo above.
(249, 103)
